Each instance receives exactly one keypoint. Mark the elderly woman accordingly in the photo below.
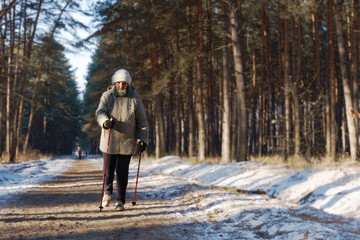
(120, 109)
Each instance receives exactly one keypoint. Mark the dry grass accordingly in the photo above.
(293, 162)
(196, 160)
(297, 163)
(29, 156)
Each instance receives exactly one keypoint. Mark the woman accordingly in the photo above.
(120, 109)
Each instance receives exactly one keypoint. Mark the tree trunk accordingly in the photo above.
(211, 133)
(271, 140)
(317, 128)
(234, 127)
(190, 92)
(199, 88)
(17, 95)
(170, 132)
(242, 145)
(178, 132)
(9, 131)
(28, 43)
(226, 124)
(279, 118)
(2, 81)
(355, 59)
(7, 9)
(158, 100)
(332, 80)
(287, 90)
(34, 97)
(257, 99)
(346, 84)
(16, 117)
(297, 74)
(159, 127)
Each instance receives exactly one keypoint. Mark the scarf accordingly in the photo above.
(120, 93)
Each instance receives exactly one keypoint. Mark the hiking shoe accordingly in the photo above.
(106, 200)
(119, 206)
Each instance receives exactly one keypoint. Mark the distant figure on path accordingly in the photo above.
(129, 133)
(79, 153)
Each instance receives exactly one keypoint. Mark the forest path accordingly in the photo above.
(167, 207)
(66, 207)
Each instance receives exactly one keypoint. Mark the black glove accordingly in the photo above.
(142, 146)
(108, 124)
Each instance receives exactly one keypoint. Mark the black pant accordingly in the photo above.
(120, 163)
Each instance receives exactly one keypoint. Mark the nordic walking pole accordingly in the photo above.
(137, 177)
(107, 149)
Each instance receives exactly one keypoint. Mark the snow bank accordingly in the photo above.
(333, 191)
(19, 177)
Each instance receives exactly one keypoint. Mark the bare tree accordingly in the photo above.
(29, 30)
(39, 73)
(355, 56)
(226, 124)
(346, 83)
(331, 114)
(296, 82)
(190, 90)
(7, 8)
(199, 84)
(242, 145)
(11, 26)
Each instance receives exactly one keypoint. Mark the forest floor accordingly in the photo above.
(167, 207)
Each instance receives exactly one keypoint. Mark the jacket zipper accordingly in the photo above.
(120, 125)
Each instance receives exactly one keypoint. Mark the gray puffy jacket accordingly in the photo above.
(130, 121)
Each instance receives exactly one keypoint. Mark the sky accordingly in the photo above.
(81, 57)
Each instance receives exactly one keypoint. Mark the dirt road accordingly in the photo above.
(168, 207)
(67, 208)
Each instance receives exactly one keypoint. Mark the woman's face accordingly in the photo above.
(121, 86)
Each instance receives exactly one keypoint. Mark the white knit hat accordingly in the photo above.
(121, 76)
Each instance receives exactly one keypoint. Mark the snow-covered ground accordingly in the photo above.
(259, 202)
(19, 177)
(335, 191)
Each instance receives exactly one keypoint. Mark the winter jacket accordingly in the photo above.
(130, 121)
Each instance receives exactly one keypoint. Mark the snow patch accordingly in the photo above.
(19, 177)
(333, 191)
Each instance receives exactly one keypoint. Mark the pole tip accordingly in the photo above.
(133, 203)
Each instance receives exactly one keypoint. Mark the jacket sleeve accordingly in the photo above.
(101, 113)
(142, 126)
